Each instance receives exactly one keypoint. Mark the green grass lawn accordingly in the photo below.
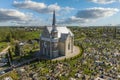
(31, 35)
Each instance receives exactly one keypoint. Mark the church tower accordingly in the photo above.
(56, 41)
(54, 31)
(54, 38)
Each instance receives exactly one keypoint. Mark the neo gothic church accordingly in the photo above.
(56, 41)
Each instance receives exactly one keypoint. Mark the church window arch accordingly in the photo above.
(68, 46)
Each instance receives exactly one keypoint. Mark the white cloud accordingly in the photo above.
(40, 7)
(104, 1)
(97, 12)
(13, 15)
(90, 14)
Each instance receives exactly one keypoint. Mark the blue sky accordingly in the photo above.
(69, 12)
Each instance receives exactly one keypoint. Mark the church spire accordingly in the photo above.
(54, 19)
(54, 31)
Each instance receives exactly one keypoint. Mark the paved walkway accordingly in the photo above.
(75, 53)
(4, 51)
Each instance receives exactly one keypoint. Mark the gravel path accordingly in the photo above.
(4, 51)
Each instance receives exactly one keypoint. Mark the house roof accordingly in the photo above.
(61, 30)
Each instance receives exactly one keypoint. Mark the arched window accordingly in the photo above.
(68, 46)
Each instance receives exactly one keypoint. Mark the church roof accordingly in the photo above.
(61, 30)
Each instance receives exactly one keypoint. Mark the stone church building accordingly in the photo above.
(56, 41)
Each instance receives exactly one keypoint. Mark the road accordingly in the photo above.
(18, 65)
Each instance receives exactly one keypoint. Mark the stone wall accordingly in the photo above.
(69, 45)
(62, 48)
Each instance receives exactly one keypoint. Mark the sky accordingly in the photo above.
(68, 12)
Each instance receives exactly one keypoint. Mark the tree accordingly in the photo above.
(10, 55)
(114, 33)
(17, 49)
(8, 59)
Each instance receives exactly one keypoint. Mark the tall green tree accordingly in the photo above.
(8, 59)
(10, 55)
(17, 50)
